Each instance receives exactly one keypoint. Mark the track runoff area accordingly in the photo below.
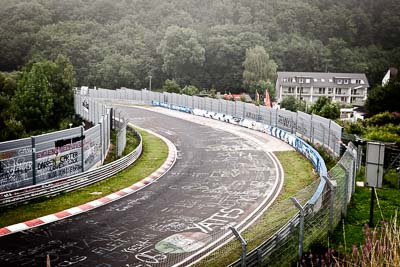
(225, 175)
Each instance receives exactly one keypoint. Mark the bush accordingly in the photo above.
(387, 133)
(383, 119)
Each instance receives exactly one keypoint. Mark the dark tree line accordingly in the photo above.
(203, 43)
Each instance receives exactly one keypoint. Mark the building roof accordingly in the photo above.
(325, 76)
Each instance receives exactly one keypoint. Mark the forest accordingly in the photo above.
(202, 43)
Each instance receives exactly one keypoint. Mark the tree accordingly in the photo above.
(384, 98)
(33, 101)
(258, 67)
(262, 86)
(325, 108)
(60, 77)
(182, 53)
(171, 86)
(291, 103)
(190, 90)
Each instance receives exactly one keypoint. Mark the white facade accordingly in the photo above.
(350, 88)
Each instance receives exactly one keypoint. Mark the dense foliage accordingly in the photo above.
(324, 107)
(203, 43)
(383, 127)
(39, 98)
(384, 98)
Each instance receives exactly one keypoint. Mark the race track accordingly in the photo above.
(222, 176)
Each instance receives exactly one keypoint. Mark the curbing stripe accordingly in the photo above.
(4, 231)
(48, 218)
(18, 227)
(95, 203)
(34, 222)
(62, 214)
(165, 167)
(74, 210)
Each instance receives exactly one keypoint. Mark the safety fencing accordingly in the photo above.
(59, 161)
(311, 128)
(309, 215)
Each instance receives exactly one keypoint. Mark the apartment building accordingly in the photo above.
(350, 88)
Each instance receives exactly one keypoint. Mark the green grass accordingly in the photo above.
(131, 143)
(299, 173)
(358, 215)
(155, 152)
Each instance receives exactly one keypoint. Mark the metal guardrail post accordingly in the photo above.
(331, 186)
(243, 243)
(33, 161)
(301, 230)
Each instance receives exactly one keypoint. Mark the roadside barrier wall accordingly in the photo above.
(43, 158)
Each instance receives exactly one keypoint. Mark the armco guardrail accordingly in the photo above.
(70, 183)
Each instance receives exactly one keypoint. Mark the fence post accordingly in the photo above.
(329, 134)
(301, 226)
(259, 257)
(346, 192)
(82, 150)
(331, 186)
(101, 141)
(33, 160)
(242, 242)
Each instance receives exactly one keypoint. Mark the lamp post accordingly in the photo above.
(150, 82)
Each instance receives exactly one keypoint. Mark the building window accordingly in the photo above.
(343, 99)
(330, 80)
(330, 90)
(315, 80)
(353, 91)
(308, 80)
(323, 80)
(321, 90)
(301, 80)
(284, 79)
(339, 81)
(291, 90)
(293, 80)
(353, 81)
(338, 91)
(346, 81)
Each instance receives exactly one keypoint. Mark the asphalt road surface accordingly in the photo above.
(220, 178)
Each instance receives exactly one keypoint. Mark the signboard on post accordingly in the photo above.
(374, 164)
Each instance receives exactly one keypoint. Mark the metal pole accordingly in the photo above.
(243, 243)
(101, 141)
(82, 150)
(301, 226)
(329, 133)
(33, 160)
(346, 192)
(331, 186)
(371, 211)
(150, 82)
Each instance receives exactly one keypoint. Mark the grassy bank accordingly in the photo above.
(155, 152)
(299, 173)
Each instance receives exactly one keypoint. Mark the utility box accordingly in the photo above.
(374, 164)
